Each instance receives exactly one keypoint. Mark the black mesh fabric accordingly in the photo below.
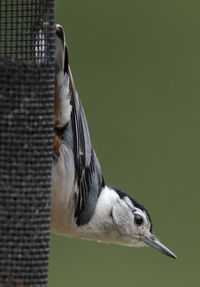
(26, 137)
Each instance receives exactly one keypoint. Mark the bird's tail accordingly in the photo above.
(62, 80)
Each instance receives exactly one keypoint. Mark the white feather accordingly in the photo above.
(63, 93)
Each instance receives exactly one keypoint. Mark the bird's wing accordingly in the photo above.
(87, 168)
(88, 176)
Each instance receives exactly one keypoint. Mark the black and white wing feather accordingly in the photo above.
(75, 136)
(87, 168)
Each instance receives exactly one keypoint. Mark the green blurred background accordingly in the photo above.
(136, 66)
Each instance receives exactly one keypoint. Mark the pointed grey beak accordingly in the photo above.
(153, 242)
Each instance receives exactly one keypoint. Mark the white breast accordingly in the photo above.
(62, 196)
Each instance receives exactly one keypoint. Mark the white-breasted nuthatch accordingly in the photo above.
(82, 204)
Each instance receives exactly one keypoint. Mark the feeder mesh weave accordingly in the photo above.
(26, 133)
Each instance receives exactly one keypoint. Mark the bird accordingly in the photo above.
(82, 204)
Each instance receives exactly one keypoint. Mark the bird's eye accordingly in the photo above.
(138, 219)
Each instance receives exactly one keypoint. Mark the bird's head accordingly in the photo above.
(120, 219)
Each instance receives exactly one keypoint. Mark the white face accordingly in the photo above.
(117, 220)
(132, 223)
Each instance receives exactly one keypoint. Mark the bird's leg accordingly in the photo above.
(57, 105)
(57, 142)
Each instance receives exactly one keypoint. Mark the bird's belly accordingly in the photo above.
(62, 194)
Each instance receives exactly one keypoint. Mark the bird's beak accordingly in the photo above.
(153, 242)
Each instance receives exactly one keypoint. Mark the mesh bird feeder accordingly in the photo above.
(26, 137)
